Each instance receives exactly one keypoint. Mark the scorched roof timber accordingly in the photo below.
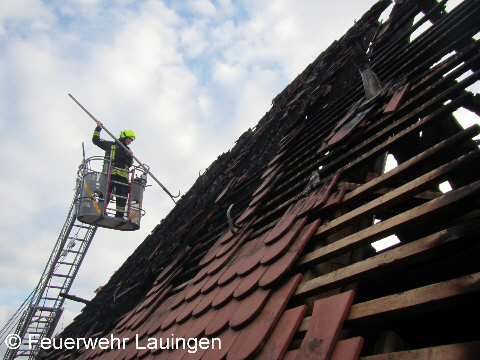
(297, 277)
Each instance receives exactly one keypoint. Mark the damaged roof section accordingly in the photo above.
(293, 275)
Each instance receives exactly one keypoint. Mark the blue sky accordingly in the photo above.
(188, 77)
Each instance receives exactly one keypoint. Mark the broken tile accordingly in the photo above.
(322, 195)
(334, 199)
(396, 99)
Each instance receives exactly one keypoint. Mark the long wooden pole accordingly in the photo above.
(123, 146)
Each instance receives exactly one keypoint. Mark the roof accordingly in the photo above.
(296, 276)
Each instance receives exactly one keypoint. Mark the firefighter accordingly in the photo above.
(121, 161)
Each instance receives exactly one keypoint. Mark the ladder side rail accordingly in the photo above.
(26, 320)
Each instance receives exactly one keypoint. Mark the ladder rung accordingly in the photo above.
(45, 308)
(82, 226)
(62, 275)
(55, 287)
(76, 239)
(74, 252)
(43, 316)
(49, 298)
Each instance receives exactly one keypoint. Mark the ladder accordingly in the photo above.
(40, 313)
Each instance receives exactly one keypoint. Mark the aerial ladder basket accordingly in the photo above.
(96, 200)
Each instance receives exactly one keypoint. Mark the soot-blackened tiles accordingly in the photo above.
(238, 296)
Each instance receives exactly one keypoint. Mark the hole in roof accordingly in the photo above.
(445, 57)
(445, 187)
(386, 13)
(386, 242)
(422, 27)
(464, 76)
(455, 68)
(466, 118)
(451, 4)
(391, 163)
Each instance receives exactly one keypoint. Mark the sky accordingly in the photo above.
(187, 76)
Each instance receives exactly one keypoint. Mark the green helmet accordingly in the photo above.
(127, 133)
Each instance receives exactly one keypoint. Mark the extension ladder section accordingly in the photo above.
(44, 310)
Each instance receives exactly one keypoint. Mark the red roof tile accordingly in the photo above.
(284, 264)
(226, 293)
(220, 262)
(206, 302)
(325, 325)
(228, 338)
(198, 327)
(396, 99)
(213, 280)
(249, 308)
(347, 349)
(248, 213)
(225, 238)
(252, 337)
(278, 248)
(291, 355)
(187, 311)
(285, 223)
(253, 256)
(277, 343)
(195, 290)
(249, 283)
(231, 271)
(221, 318)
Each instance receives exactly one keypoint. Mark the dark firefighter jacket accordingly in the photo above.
(120, 159)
